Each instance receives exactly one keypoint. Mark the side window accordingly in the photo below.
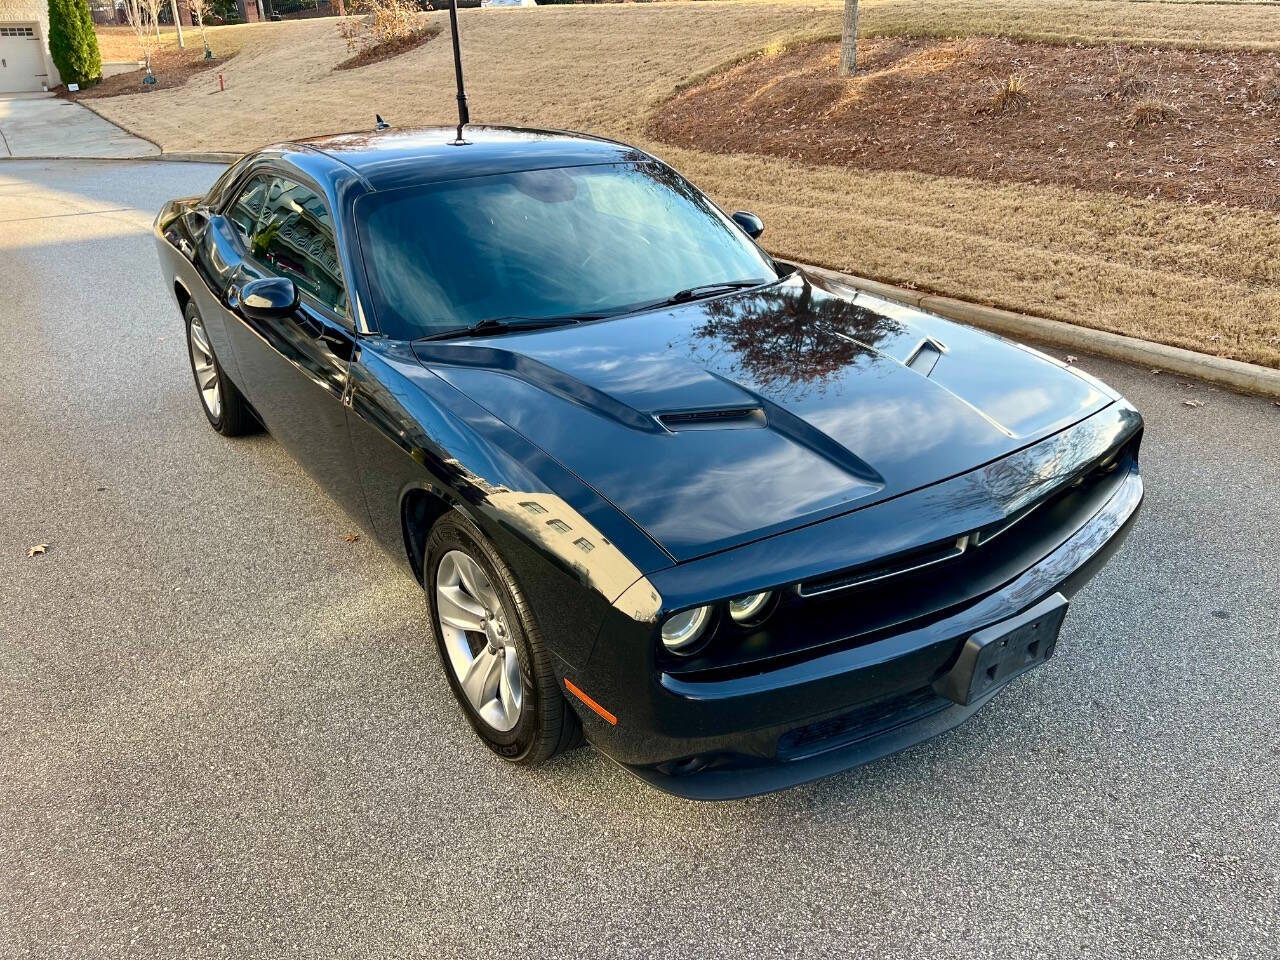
(247, 207)
(295, 239)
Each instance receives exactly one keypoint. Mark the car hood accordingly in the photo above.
(726, 420)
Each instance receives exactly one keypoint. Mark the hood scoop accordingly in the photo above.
(926, 355)
(728, 418)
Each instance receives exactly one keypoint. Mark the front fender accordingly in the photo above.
(572, 552)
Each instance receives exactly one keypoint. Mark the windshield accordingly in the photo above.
(571, 241)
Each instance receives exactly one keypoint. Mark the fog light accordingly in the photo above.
(682, 630)
(749, 608)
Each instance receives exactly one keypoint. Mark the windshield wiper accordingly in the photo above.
(493, 325)
(709, 290)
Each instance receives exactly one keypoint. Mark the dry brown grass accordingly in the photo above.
(1128, 82)
(1268, 90)
(1197, 277)
(1150, 112)
(118, 43)
(1009, 94)
(1194, 277)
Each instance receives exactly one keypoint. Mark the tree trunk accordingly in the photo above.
(177, 23)
(342, 8)
(849, 39)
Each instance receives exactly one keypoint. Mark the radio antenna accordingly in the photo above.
(464, 115)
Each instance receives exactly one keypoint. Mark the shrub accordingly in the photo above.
(72, 43)
(1127, 82)
(1148, 113)
(383, 22)
(1009, 94)
(1268, 88)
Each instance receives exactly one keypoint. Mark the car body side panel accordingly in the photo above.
(572, 553)
(185, 257)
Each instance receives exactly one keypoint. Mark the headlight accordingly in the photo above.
(749, 608)
(680, 631)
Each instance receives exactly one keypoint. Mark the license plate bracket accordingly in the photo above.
(997, 654)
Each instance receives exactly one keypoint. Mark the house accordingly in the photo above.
(25, 63)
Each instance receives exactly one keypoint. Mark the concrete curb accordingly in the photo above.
(152, 157)
(1234, 374)
(214, 156)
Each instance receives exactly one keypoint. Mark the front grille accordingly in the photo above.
(902, 563)
(916, 560)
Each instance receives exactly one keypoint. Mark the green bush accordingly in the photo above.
(72, 42)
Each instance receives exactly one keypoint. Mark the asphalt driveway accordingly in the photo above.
(221, 732)
(42, 125)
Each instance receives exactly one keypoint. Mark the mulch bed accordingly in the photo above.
(172, 68)
(377, 52)
(1175, 124)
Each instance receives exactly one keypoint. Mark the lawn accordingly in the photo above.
(1197, 275)
(117, 43)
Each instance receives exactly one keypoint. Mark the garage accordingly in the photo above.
(22, 62)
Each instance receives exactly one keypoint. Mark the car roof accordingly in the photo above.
(391, 159)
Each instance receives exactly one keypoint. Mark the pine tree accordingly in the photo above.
(72, 42)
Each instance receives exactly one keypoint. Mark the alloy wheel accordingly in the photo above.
(477, 636)
(205, 367)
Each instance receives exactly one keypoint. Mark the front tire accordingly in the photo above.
(222, 403)
(491, 649)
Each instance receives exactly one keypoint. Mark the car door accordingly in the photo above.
(296, 369)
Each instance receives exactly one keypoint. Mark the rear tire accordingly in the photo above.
(544, 724)
(223, 405)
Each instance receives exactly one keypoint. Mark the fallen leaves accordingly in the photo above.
(351, 537)
(1071, 359)
(38, 549)
(1193, 403)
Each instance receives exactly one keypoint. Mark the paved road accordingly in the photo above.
(222, 735)
(42, 125)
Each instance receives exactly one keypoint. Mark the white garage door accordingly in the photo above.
(21, 62)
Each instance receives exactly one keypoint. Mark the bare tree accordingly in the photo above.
(137, 12)
(849, 39)
(151, 10)
(198, 9)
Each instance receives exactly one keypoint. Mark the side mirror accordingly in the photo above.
(197, 221)
(270, 298)
(749, 222)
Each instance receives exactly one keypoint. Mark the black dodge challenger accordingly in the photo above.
(739, 525)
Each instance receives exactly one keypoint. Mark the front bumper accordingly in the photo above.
(770, 731)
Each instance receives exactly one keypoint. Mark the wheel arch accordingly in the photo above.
(182, 295)
(420, 508)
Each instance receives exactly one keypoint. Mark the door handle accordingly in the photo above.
(310, 326)
(339, 344)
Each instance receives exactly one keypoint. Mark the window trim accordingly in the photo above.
(243, 187)
(271, 169)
